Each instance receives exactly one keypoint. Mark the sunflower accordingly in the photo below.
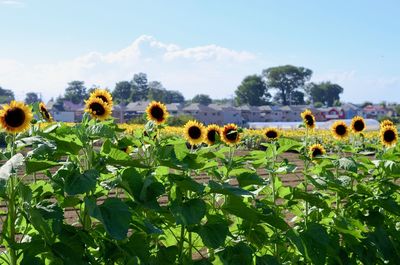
(211, 135)
(230, 134)
(308, 119)
(97, 108)
(389, 135)
(103, 95)
(15, 117)
(157, 111)
(271, 133)
(386, 122)
(357, 124)
(316, 150)
(44, 112)
(194, 132)
(340, 130)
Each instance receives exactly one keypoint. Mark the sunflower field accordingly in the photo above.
(97, 192)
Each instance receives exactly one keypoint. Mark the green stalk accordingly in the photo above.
(181, 241)
(12, 211)
(272, 177)
(305, 182)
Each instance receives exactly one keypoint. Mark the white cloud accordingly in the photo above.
(12, 3)
(204, 69)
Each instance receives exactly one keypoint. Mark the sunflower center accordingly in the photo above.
(103, 98)
(211, 135)
(45, 112)
(231, 134)
(309, 120)
(341, 130)
(194, 132)
(389, 136)
(97, 108)
(157, 113)
(359, 126)
(15, 117)
(271, 134)
(316, 152)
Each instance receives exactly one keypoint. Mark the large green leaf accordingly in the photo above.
(240, 254)
(214, 232)
(316, 242)
(77, 183)
(114, 214)
(190, 212)
(34, 165)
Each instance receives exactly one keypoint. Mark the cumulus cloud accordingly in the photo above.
(208, 69)
(12, 3)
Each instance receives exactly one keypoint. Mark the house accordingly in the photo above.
(375, 112)
(331, 113)
(250, 113)
(205, 114)
(228, 114)
(351, 110)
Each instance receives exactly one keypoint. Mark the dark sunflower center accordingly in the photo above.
(45, 112)
(389, 136)
(309, 120)
(359, 126)
(97, 108)
(271, 134)
(103, 98)
(316, 152)
(157, 113)
(194, 132)
(231, 134)
(340, 130)
(211, 135)
(15, 117)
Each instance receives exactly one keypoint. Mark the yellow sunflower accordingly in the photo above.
(340, 130)
(103, 95)
(271, 134)
(386, 122)
(157, 112)
(308, 119)
(194, 132)
(211, 135)
(230, 134)
(316, 150)
(97, 108)
(15, 117)
(389, 135)
(44, 112)
(357, 124)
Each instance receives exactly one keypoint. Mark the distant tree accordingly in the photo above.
(179, 120)
(122, 92)
(172, 96)
(75, 92)
(324, 92)
(298, 98)
(223, 101)
(286, 79)
(318, 104)
(59, 104)
(6, 95)
(252, 91)
(156, 91)
(140, 88)
(31, 97)
(366, 103)
(202, 99)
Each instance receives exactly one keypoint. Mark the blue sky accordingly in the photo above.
(199, 46)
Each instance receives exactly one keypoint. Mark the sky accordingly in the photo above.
(201, 46)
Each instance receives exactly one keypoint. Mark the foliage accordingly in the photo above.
(151, 205)
(179, 120)
(75, 92)
(202, 99)
(252, 91)
(122, 92)
(286, 80)
(324, 92)
(6, 95)
(31, 97)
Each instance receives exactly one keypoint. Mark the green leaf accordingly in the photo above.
(34, 165)
(316, 242)
(214, 232)
(11, 166)
(249, 178)
(190, 212)
(286, 144)
(181, 151)
(77, 183)
(240, 254)
(113, 214)
(227, 189)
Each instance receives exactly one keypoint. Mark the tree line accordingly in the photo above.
(291, 86)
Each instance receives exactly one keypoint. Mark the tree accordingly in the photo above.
(298, 98)
(75, 92)
(140, 88)
(122, 92)
(252, 91)
(156, 91)
(59, 104)
(286, 79)
(324, 92)
(31, 97)
(173, 96)
(202, 99)
(6, 95)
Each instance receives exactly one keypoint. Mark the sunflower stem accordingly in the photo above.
(12, 211)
